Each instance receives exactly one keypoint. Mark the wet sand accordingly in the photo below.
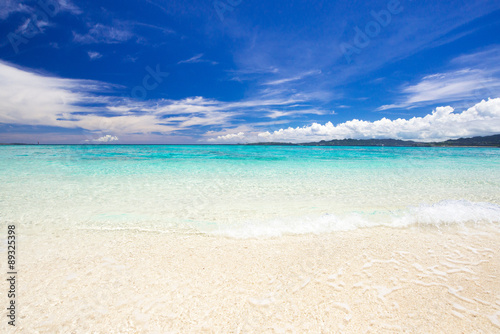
(372, 280)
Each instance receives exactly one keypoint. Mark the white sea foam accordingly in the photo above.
(448, 212)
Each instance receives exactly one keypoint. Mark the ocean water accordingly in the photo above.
(246, 191)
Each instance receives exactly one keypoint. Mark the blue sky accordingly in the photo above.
(234, 71)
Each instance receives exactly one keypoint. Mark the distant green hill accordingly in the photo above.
(474, 141)
(487, 141)
(366, 142)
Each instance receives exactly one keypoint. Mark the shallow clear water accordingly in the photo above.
(247, 190)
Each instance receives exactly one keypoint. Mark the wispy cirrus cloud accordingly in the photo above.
(277, 45)
(444, 87)
(31, 98)
(52, 7)
(470, 75)
(36, 16)
(290, 79)
(197, 59)
(8, 7)
(100, 33)
(94, 55)
(68, 6)
(120, 31)
(32, 28)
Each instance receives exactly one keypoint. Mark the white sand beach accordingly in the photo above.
(372, 280)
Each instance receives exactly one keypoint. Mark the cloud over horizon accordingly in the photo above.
(442, 124)
(104, 139)
(33, 99)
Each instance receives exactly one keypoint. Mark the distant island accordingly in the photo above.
(486, 141)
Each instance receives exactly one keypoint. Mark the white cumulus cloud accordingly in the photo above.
(105, 139)
(442, 124)
(230, 136)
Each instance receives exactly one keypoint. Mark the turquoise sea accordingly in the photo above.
(246, 191)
